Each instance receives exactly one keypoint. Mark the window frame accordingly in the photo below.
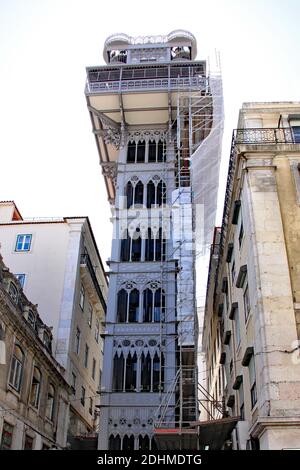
(18, 371)
(35, 389)
(23, 244)
(82, 296)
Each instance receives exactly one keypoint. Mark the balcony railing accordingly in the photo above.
(146, 84)
(85, 260)
(259, 136)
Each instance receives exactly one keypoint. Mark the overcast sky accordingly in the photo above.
(49, 161)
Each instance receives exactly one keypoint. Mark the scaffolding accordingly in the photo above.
(198, 127)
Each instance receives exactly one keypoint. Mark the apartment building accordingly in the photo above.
(251, 327)
(59, 268)
(34, 395)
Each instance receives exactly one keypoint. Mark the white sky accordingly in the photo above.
(48, 157)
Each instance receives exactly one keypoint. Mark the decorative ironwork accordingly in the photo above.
(263, 136)
(113, 137)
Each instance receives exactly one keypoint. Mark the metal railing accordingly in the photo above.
(258, 136)
(146, 84)
(85, 260)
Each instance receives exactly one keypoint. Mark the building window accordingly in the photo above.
(131, 247)
(50, 402)
(97, 330)
(74, 383)
(31, 318)
(136, 152)
(114, 442)
(90, 315)
(156, 194)
(86, 356)
(233, 271)
(118, 373)
(246, 302)
(21, 279)
(91, 406)
(153, 305)
(81, 297)
(131, 373)
(134, 194)
(241, 234)
(77, 341)
(128, 443)
(16, 368)
(82, 399)
(13, 292)
(155, 246)
(28, 443)
(7, 436)
(144, 442)
(94, 369)
(35, 387)
(23, 242)
(241, 402)
(237, 327)
(252, 379)
(296, 134)
(128, 306)
(157, 151)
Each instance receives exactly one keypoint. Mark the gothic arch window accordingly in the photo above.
(153, 444)
(131, 247)
(118, 373)
(128, 442)
(136, 152)
(155, 246)
(128, 306)
(157, 151)
(153, 305)
(131, 373)
(156, 373)
(13, 292)
(145, 372)
(156, 193)
(134, 194)
(114, 442)
(144, 442)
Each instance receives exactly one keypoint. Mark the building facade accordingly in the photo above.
(251, 330)
(59, 267)
(34, 395)
(150, 107)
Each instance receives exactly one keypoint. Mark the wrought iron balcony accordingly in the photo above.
(264, 136)
(85, 260)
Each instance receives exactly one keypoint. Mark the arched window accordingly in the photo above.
(118, 373)
(114, 442)
(157, 151)
(153, 305)
(140, 153)
(13, 292)
(131, 247)
(156, 373)
(153, 444)
(134, 194)
(144, 442)
(128, 442)
(136, 152)
(35, 388)
(50, 402)
(156, 194)
(16, 368)
(31, 317)
(155, 246)
(122, 306)
(128, 306)
(131, 376)
(146, 372)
